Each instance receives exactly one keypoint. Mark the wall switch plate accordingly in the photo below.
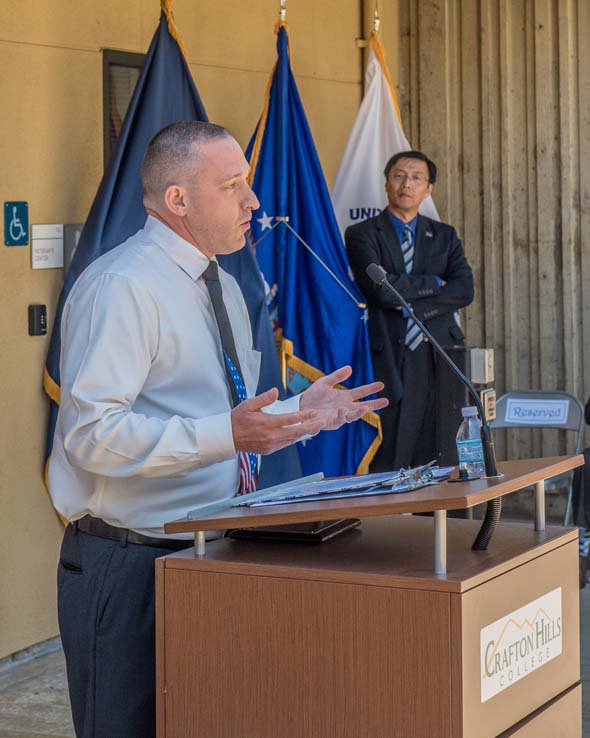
(37, 320)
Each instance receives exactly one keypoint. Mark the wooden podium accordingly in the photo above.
(359, 638)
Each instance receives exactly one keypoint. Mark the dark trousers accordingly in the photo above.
(409, 433)
(107, 624)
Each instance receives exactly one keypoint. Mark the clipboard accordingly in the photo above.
(384, 483)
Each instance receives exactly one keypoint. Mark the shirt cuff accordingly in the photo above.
(215, 439)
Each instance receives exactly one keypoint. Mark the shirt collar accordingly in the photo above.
(399, 223)
(184, 254)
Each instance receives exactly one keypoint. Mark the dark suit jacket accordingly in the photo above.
(438, 251)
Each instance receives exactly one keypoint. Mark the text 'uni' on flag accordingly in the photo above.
(359, 188)
(165, 92)
(317, 311)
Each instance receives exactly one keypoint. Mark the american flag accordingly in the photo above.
(248, 467)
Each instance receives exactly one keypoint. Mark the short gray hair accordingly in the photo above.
(171, 149)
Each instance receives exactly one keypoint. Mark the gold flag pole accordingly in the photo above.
(283, 11)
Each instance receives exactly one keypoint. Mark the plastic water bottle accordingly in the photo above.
(469, 448)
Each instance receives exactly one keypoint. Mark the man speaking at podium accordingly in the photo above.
(158, 415)
(424, 260)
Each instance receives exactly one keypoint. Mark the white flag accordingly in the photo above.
(359, 188)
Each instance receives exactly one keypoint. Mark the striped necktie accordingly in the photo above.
(248, 461)
(414, 335)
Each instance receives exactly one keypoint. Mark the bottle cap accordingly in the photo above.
(469, 412)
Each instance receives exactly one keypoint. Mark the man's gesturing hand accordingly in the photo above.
(339, 406)
(263, 433)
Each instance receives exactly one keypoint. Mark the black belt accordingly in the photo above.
(97, 527)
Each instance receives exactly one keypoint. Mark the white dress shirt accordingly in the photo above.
(144, 429)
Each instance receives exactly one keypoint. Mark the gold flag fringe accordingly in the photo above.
(262, 123)
(166, 6)
(377, 45)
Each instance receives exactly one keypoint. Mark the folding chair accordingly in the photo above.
(540, 409)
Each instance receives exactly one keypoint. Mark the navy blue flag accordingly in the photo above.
(165, 93)
(318, 312)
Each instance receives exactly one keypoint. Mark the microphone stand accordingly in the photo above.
(494, 507)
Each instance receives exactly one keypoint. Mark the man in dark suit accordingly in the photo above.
(424, 260)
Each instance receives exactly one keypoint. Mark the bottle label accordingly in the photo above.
(470, 452)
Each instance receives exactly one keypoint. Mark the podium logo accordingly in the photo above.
(520, 643)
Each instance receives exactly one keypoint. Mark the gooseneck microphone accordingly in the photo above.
(494, 507)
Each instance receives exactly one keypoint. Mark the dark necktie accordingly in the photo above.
(414, 335)
(233, 371)
(211, 277)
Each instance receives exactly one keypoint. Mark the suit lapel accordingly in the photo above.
(422, 245)
(389, 243)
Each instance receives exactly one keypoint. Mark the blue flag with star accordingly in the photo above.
(165, 92)
(318, 314)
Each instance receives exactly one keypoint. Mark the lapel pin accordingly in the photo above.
(428, 234)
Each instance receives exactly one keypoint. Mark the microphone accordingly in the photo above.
(494, 507)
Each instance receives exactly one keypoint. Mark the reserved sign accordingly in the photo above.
(531, 412)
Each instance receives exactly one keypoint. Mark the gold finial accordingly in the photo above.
(283, 11)
(376, 20)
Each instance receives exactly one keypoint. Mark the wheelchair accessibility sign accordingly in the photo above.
(16, 223)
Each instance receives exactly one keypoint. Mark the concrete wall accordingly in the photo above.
(498, 91)
(51, 153)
